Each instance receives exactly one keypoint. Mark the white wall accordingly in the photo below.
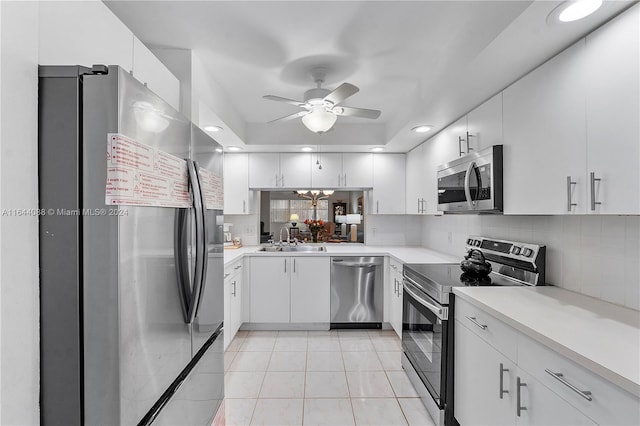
(19, 244)
(245, 226)
(594, 255)
(393, 230)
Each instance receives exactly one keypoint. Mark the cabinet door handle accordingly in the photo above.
(469, 136)
(419, 206)
(569, 192)
(460, 139)
(395, 286)
(475, 321)
(560, 377)
(238, 267)
(339, 179)
(282, 180)
(593, 180)
(519, 407)
(502, 390)
(285, 266)
(226, 275)
(377, 206)
(244, 206)
(234, 288)
(294, 265)
(345, 179)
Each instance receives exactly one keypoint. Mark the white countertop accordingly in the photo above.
(402, 254)
(600, 336)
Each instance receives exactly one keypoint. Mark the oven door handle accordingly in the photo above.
(441, 312)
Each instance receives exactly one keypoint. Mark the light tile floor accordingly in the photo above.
(341, 377)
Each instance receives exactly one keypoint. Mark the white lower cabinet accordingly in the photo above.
(233, 278)
(503, 377)
(310, 297)
(395, 296)
(287, 289)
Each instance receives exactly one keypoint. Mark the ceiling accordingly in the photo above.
(419, 62)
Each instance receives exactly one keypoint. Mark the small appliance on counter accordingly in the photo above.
(228, 241)
(428, 305)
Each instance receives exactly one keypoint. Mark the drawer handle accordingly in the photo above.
(475, 321)
(226, 275)
(238, 267)
(560, 377)
(502, 390)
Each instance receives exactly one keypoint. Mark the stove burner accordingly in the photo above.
(474, 280)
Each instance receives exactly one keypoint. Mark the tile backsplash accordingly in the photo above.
(595, 255)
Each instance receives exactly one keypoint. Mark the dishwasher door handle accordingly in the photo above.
(356, 264)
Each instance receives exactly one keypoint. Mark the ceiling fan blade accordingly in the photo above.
(281, 99)
(341, 93)
(290, 116)
(357, 112)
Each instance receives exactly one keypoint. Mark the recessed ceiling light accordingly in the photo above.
(421, 129)
(306, 149)
(377, 149)
(213, 128)
(573, 10)
(218, 149)
(234, 148)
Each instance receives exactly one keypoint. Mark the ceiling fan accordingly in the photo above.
(320, 105)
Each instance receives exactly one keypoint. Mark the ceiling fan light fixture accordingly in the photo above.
(319, 120)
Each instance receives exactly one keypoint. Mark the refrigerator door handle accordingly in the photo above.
(201, 240)
(182, 260)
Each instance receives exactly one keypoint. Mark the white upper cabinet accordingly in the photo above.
(613, 108)
(238, 198)
(484, 125)
(285, 170)
(264, 170)
(415, 183)
(357, 170)
(330, 176)
(295, 170)
(388, 184)
(148, 70)
(352, 170)
(544, 137)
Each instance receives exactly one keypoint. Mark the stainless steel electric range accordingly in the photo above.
(428, 304)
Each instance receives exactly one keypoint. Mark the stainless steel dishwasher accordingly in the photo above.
(356, 292)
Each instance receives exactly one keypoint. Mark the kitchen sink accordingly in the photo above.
(303, 249)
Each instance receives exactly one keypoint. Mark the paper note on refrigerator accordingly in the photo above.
(141, 175)
(212, 189)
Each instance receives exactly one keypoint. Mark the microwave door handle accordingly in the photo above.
(467, 189)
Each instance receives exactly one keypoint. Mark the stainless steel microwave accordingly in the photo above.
(473, 183)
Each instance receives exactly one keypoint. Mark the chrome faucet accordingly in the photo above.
(288, 236)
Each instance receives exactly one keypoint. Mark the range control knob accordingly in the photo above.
(476, 243)
(470, 241)
(515, 250)
(527, 252)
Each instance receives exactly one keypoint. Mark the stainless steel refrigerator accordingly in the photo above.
(131, 288)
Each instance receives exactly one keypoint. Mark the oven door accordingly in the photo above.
(425, 339)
